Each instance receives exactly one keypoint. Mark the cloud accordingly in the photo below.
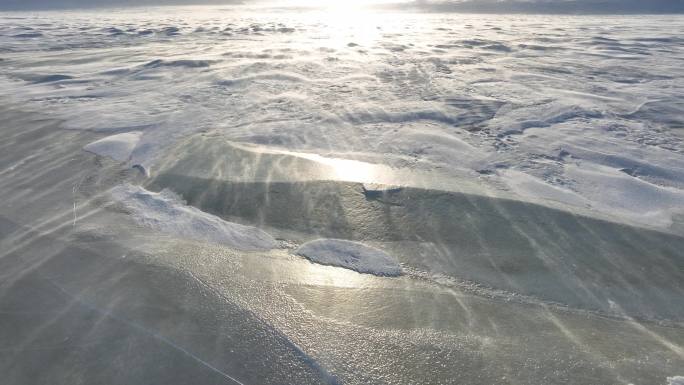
(68, 4)
(551, 6)
(484, 6)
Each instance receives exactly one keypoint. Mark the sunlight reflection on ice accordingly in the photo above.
(319, 275)
(350, 170)
(335, 168)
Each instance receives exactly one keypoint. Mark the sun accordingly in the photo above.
(350, 4)
(335, 5)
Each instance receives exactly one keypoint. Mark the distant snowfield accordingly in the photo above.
(575, 112)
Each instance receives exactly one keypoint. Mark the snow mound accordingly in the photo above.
(166, 212)
(676, 380)
(350, 255)
(118, 147)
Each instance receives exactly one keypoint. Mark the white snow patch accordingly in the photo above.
(614, 192)
(350, 255)
(118, 147)
(166, 212)
(528, 186)
(676, 380)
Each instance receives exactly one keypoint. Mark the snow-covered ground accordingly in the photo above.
(578, 112)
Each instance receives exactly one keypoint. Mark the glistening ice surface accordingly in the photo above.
(493, 199)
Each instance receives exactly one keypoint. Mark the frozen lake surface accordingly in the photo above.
(234, 196)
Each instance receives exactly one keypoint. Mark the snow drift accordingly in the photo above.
(350, 255)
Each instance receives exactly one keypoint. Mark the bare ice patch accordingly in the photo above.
(166, 212)
(350, 255)
(118, 147)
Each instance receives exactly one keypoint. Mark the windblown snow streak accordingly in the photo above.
(118, 147)
(167, 213)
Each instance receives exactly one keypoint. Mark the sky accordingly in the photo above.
(497, 6)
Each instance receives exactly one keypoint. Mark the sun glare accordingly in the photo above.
(336, 5)
(349, 21)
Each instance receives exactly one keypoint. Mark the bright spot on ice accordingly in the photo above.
(335, 168)
(317, 275)
(676, 380)
(351, 170)
(350, 255)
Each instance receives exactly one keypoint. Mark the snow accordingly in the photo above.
(576, 113)
(676, 380)
(118, 147)
(350, 255)
(166, 212)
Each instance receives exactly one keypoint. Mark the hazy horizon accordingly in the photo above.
(469, 6)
